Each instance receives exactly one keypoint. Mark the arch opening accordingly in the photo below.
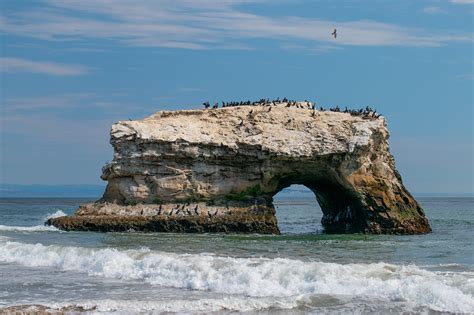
(340, 208)
(298, 211)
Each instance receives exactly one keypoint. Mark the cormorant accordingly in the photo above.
(334, 33)
(215, 213)
(196, 210)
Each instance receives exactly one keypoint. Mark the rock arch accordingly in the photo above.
(218, 170)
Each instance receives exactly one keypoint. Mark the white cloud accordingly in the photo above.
(433, 10)
(203, 25)
(462, 1)
(55, 102)
(9, 64)
(62, 103)
(189, 89)
(466, 77)
(54, 117)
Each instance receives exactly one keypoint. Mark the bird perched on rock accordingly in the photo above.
(334, 33)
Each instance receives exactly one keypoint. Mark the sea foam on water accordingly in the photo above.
(264, 280)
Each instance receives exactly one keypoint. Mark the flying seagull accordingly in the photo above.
(334, 33)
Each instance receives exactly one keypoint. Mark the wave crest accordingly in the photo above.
(36, 228)
(57, 214)
(255, 277)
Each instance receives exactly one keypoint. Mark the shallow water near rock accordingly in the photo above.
(301, 270)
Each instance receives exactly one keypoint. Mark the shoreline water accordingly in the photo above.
(302, 270)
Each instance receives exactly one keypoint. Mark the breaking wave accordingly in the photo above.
(57, 214)
(265, 281)
(36, 228)
(232, 303)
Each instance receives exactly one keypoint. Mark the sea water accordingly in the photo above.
(302, 270)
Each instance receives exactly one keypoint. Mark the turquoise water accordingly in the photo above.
(302, 270)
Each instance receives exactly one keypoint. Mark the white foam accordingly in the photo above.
(256, 277)
(232, 303)
(36, 228)
(57, 214)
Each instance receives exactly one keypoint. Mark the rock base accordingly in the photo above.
(179, 218)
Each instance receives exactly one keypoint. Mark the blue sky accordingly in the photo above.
(69, 69)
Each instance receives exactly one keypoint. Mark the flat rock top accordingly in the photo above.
(295, 130)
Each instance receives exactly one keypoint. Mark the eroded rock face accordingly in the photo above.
(228, 164)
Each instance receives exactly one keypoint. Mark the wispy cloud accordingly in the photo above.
(189, 90)
(466, 77)
(78, 117)
(316, 50)
(56, 102)
(462, 1)
(204, 25)
(9, 64)
(433, 10)
(62, 103)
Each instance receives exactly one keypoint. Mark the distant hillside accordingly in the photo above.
(11, 190)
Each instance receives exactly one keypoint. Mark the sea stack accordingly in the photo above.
(228, 165)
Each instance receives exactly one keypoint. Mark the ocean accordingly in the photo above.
(300, 271)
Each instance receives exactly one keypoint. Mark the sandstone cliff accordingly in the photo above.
(218, 169)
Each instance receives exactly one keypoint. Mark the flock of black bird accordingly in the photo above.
(260, 102)
(364, 112)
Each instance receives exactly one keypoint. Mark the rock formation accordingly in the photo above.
(216, 170)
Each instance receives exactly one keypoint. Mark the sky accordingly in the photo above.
(70, 69)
